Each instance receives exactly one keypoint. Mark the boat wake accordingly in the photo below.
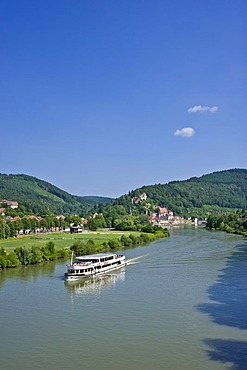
(133, 261)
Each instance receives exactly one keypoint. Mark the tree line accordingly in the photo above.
(30, 255)
(116, 218)
(83, 248)
(234, 223)
(35, 254)
(11, 228)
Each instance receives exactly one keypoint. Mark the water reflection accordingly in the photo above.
(228, 295)
(28, 272)
(93, 285)
(228, 307)
(230, 351)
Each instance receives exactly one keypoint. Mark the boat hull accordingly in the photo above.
(104, 269)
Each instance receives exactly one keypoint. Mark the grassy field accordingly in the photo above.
(61, 240)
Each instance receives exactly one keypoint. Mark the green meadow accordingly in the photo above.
(61, 240)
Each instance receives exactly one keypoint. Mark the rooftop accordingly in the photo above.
(99, 255)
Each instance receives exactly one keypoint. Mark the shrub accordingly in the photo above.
(145, 238)
(3, 262)
(36, 255)
(135, 239)
(12, 260)
(62, 253)
(114, 243)
(126, 241)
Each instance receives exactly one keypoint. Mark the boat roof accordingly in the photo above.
(94, 256)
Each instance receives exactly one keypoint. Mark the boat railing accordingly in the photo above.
(80, 264)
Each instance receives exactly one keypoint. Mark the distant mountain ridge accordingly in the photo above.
(223, 189)
(38, 195)
(231, 176)
(193, 197)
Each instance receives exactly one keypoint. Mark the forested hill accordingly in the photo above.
(196, 196)
(234, 176)
(94, 200)
(193, 197)
(38, 195)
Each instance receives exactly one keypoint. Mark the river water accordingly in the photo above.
(181, 304)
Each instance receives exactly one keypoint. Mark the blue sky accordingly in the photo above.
(100, 97)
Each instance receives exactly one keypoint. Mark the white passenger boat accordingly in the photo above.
(94, 264)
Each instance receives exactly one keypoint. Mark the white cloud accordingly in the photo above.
(203, 108)
(186, 132)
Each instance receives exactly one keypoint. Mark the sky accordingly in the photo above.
(100, 97)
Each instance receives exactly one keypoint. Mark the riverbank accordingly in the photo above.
(37, 249)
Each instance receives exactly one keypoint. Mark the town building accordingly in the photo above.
(9, 203)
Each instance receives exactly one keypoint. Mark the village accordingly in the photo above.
(28, 224)
(163, 217)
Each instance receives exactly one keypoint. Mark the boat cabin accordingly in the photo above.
(96, 258)
(94, 264)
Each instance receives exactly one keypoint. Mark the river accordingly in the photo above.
(181, 304)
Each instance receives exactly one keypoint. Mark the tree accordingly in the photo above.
(3, 262)
(12, 260)
(76, 220)
(126, 241)
(100, 221)
(135, 239)
(34, 224)
(24, 255)
(80, 248)
(4, 229)
(51, 247)
(145, 238)
(92, 224)
(12, 231)
(148, 228)
(61, 224)
(128, 222)
(43, 224)
(48, 251)
(26, 224)
(36, 255)
(114, 243)
(18, 225)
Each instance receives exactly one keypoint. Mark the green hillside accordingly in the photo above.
(197, 196)
(94, 200)
(38, 195)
